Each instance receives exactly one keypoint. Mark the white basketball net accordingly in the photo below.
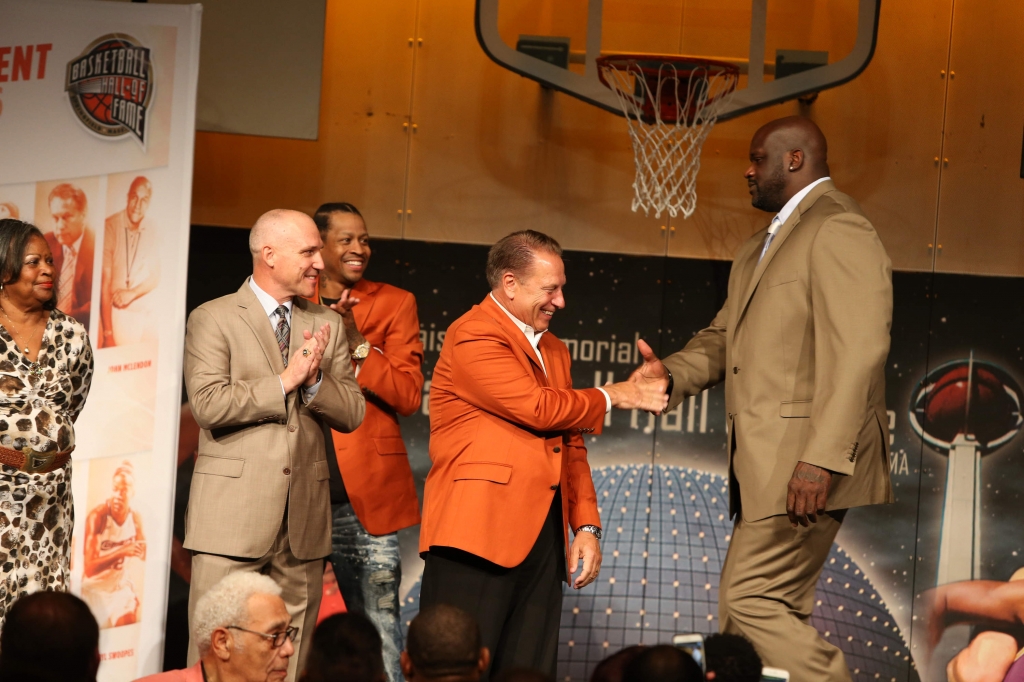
(667, 152)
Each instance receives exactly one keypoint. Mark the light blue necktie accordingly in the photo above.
(776, 224)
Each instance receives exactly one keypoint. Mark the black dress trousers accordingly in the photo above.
(518, 608)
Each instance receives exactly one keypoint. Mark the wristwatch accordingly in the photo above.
(361, 351)
(589, 529)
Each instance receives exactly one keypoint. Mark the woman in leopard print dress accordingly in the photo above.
(45, 372)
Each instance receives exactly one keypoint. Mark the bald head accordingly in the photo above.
(285, 247)
(786, 155)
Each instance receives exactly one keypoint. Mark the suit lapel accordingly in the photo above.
(366, 292)
(258, 321)
(302, 320)
(780, 237)
(514, 332)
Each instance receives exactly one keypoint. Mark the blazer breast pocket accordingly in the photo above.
(220, 466)
(778, 279)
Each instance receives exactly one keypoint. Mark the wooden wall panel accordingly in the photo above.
(494, 152)
(981, 207)
(884, 130)
(362, 150)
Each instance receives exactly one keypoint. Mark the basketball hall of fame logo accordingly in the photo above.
(110, 86)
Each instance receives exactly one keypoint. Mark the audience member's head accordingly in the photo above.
(444, 643)
(613, 668)
(243, 630)
(663, 663)
(347, 647)
(49, 637)
(731, 658)
(521, 675)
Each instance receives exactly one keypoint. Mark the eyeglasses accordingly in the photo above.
(277, 638)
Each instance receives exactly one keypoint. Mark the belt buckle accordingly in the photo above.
(35, 462)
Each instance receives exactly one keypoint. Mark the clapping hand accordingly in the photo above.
(304, 366)
(344, 308)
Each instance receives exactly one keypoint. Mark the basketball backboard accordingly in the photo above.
(785, 49)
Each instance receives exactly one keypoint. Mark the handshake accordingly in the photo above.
(646, 387)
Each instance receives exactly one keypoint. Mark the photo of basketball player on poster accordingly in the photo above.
(131, 263)
(64, 212)
(115, 546)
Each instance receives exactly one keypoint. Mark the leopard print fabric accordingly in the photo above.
(37, 517)
(39, 403)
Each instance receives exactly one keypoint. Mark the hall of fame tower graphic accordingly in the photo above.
(964, 409)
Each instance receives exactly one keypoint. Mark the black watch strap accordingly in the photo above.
(671, 384)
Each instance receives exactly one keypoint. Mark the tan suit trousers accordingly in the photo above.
(767, 594)
(301, 585)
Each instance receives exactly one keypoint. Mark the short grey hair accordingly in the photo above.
(227, 603)
(515, 253)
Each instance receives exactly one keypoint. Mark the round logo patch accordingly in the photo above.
(110, 86)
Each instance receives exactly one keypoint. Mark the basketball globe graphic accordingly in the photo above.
(975, 399)
(666, 533)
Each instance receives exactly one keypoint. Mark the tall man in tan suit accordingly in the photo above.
(801, 344)
(265, 369)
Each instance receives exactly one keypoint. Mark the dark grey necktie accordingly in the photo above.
(283, 333)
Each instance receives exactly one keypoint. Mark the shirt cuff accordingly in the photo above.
(309, 393)
(607, 400)
(283, 392)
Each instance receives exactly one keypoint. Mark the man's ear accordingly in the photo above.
(796, 159)
(484, 660)
(220, 644)
(268, 255)
(508, 285)
(406, 664)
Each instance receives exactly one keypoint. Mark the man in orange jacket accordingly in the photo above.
(510, 472)
(372, 490)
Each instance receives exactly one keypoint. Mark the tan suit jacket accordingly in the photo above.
(801, 343)
(259, 450)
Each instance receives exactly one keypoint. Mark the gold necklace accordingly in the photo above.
(17, 334)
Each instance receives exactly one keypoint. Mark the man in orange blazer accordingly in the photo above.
(372, 490)
(510, 472)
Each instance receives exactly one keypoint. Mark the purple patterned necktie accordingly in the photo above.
(283, 333)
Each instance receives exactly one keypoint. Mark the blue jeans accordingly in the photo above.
(369, 572)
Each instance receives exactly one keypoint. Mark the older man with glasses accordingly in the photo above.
(243, 632)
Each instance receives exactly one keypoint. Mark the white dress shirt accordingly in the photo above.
(783, 215)
(533, 336)
(270, 306)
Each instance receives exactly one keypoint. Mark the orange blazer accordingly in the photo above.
(503, 437)
(372, 459)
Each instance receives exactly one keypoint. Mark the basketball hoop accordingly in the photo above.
(670, 103)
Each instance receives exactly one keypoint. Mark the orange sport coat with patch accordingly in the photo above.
(372, 459)
(503, 437)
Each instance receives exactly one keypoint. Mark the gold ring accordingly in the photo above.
(305, 352)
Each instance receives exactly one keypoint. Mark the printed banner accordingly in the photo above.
(97, 120)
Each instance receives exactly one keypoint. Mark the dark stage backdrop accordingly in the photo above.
(659, 480)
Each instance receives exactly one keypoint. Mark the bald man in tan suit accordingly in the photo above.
(801, 344)
(265, 369)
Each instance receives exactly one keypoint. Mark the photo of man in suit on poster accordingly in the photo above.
(65, 224)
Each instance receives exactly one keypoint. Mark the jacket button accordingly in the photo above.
(287, 471)
(554, 487)
(735, 370)
(558, 449)
(292, 427)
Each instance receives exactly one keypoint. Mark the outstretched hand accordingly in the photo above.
(652, 372)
